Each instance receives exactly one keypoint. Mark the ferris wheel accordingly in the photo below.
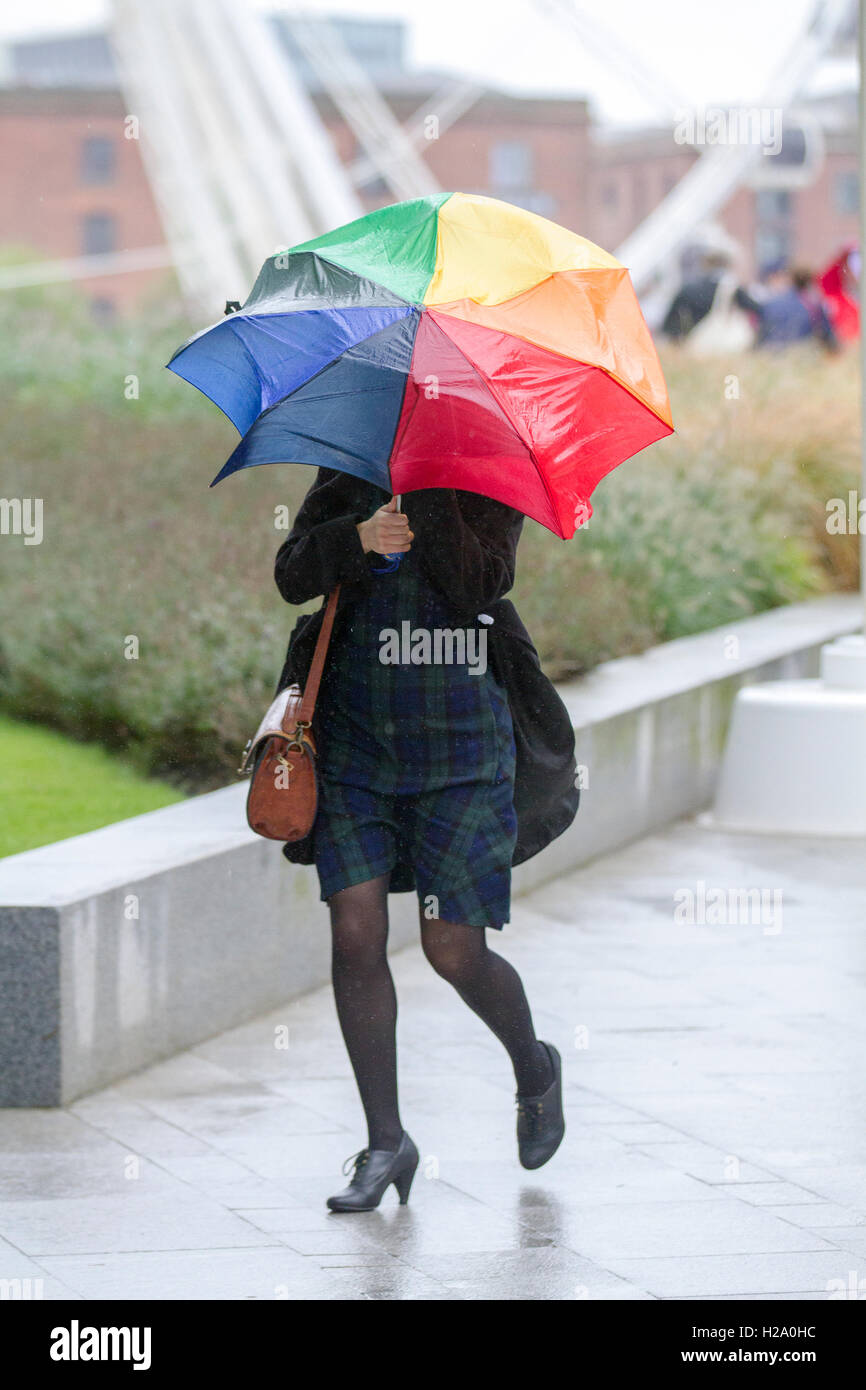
(651, 250)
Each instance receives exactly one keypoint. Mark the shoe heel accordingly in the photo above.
(404, 1182)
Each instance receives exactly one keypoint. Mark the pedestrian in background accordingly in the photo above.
(701, 293)
(798, 314)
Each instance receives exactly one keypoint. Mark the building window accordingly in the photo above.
(772, 204)
(97, 159)
(639, 198)
(103, 311)
(374, 188)
(99, 234)
(846, 189)
(793, 151)
(543, 204)
(510, 166)
(774, 225)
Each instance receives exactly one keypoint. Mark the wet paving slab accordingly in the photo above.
(714, 1094)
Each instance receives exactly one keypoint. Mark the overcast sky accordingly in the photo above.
(696, 51)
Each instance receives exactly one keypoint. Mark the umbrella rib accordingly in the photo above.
(204, 391)
(446, 309)
(398, 432)
(508, 413)
(329, 366)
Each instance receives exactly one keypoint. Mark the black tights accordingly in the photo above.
(367, 1002)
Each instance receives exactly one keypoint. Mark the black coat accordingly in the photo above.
(467, 546)
(694, 300)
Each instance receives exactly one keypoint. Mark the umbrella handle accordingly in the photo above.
(393, 560)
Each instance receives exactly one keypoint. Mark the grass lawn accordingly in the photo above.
(52, 787)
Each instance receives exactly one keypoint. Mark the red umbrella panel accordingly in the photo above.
(454, 341)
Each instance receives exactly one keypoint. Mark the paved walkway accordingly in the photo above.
(716, 1145)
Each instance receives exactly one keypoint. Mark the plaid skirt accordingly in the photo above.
(416, 764)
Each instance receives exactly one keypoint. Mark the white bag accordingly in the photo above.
(725, 329)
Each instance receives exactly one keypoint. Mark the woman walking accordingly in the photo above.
(436, 774)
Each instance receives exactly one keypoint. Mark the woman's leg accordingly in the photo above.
(367, 1002)
(494, 991)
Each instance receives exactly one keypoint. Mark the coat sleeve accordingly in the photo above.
(322, 549)
(467, 544)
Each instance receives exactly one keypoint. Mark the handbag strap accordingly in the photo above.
(311, 688)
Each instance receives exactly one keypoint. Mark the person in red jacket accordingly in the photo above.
(840, 284)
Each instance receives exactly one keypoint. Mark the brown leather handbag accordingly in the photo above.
(281, 801)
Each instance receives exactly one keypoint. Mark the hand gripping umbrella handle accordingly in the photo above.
(395, 558)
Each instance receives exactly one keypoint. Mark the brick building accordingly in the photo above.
(800, 205)
(72, 185)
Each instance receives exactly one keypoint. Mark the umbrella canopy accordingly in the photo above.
(449, 341)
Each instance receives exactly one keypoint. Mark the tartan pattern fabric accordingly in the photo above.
(417, 763)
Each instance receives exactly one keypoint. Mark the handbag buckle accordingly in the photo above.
(243, 769)
(297, 729)
(297, 737)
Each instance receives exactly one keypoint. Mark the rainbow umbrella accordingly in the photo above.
(449, 341)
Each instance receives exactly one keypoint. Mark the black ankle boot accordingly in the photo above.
(540, 1122)
(374, 1170)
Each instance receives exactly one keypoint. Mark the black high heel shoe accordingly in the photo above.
(375, 1169)
(540, 1121)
